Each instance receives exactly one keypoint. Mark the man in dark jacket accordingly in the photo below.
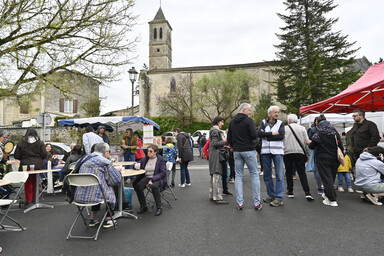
(185, 154)
(241, 136)
(364, 133)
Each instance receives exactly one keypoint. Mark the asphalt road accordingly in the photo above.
(196, 226)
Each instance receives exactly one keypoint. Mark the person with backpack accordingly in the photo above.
(170, 155)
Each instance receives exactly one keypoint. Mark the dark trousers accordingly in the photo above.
(140, 184)
(96, 208)
(224, 177)
(299, 161)
(260, 160)
(327, 168)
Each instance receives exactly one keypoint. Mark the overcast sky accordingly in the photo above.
(219, 32)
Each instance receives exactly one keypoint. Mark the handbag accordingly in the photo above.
(223, 154)
(310, 166)
(305, 150)
(340, 155)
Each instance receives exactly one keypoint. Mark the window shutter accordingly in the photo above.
(74, 106)
(61, 105)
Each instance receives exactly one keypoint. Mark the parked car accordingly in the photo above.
(195, 136)
(168, 134)
(60, 149)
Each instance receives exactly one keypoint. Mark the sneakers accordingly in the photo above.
(231, 181)
(324, 196)
(182, 185)
(261, 173)
(330, 203)
(239, 207)
(227, 193)
(276, 203)
(320, 191)
(294, 177)
(93, 222)
(221, 202)
(290, 194)
(359, 191)
(109, 223)
(350, 190)
(142, 210)
(258, 207)
(268, 199)
(308, 196)
(188, 184)
(340, 189)
(373, 199)
(58, 184)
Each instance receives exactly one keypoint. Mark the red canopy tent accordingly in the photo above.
(367, 93)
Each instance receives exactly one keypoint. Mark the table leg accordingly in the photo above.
(37, 204)
(120, 212)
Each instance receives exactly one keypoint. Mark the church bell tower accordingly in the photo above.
(160, 47)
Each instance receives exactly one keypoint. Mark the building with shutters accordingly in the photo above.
(64, 97)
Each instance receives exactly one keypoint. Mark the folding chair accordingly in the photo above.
(164, 199)
(169, 169)
(85, 180)
(15, 178)
(72, 166)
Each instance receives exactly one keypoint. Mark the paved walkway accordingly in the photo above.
(196, 226)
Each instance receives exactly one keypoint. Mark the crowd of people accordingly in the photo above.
(283, 151)
(291, 147)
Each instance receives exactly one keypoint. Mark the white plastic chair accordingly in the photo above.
(85, 180)
(15, 178)
(169, 170)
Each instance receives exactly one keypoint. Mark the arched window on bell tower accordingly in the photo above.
(161, 33)
(155, 34)
(173, 84)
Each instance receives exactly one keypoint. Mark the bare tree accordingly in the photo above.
(41, 37)
(180, 101)
(222, 92)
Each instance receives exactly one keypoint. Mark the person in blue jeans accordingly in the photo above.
(242, 137)
(185, 155)
(272, 132)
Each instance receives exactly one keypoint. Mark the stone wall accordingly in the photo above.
(67, 135)
(57, 134)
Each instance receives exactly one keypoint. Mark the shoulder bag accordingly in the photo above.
(340, 155)
(306, 152)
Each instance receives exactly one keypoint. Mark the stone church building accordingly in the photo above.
(161, 78)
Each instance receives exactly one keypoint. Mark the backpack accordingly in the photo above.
(68, 190)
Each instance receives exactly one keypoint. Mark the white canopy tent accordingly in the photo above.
(333, 118)
(342, 123)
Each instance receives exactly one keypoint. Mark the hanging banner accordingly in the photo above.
(147, 134)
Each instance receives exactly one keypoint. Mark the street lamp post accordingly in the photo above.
(132, 76)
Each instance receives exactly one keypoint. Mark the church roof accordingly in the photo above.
(160, 18)
(159, 15)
